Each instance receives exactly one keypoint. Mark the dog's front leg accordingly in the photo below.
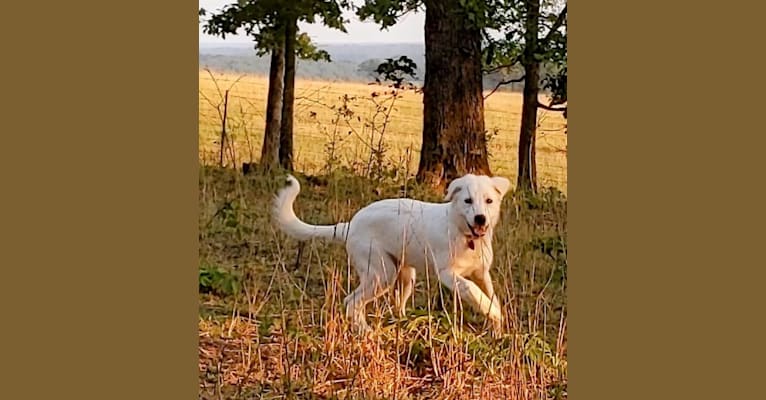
(472, 293)
(484, 281)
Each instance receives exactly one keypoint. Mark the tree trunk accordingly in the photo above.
(288, 100)
(454, 138)
(527, 180)
(270, 150)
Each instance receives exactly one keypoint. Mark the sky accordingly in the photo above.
(409, 29)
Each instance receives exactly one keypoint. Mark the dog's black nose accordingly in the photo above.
(480, 220)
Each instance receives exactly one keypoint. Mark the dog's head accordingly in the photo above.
(475, 202)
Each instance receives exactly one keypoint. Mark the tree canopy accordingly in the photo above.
(505, 39)
(266, 20)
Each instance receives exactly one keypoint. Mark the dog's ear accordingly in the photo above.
(454, 187)
(501, 185)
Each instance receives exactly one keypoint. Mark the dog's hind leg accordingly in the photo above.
(405, 284)
(377, 275)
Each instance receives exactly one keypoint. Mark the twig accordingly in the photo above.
(505, 82)
(513, 62)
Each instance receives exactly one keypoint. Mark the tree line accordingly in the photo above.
(338, 70)
(464, 41)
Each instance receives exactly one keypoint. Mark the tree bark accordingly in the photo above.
(270, 149)
(288, 99)
(454, 137)
(527, 179)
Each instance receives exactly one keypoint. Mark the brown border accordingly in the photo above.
(664, 246)
(99, 202)
(100, 217)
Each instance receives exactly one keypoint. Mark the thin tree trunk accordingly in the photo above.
(270, 149)
(527, 180)
(288, 100)
(454, 137)
(223, 126)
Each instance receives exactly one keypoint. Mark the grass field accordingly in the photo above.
(271, 323)
(314, 126)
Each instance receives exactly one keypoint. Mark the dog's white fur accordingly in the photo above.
(390, 241)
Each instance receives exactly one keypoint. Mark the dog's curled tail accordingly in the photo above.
(289, 223)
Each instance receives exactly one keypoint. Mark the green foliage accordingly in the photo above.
(505, 43)
(258, 19)
(547, 197)
(556, 84)
(218, 281)
(555, 55)
(330, 11)
(552, 246)
(396, 70)
(481, 14)
(265, 21)
(478, 13)
(307, 50)
(386, 12)
(538, 351)
(558, 391)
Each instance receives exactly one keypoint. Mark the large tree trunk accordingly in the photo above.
(288, 100)
(454, 138)
(527, 180)
(270, 150)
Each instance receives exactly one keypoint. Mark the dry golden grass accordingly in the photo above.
(271, 321)
(280, 331)
(314, 128)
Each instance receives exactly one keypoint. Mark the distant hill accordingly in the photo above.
(345, 65)
(350, 62)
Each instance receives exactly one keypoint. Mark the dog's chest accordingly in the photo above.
(466, 260)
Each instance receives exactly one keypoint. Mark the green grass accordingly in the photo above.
(271, 322)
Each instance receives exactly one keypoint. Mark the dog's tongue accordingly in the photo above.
(470, 244)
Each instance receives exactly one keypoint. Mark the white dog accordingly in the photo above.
(390, 241)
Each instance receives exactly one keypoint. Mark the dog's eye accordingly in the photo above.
(468, 201)
(489, 201)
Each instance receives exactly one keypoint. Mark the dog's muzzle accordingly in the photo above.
(476, 231)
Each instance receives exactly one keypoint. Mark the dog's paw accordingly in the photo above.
(495, 315)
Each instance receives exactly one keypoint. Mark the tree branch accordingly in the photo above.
(551, 108)
(556, 25)
(513, 62)
(506, 82)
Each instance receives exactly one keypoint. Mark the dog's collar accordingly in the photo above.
(470, 240)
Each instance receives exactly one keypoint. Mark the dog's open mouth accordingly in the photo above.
(476, 232)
